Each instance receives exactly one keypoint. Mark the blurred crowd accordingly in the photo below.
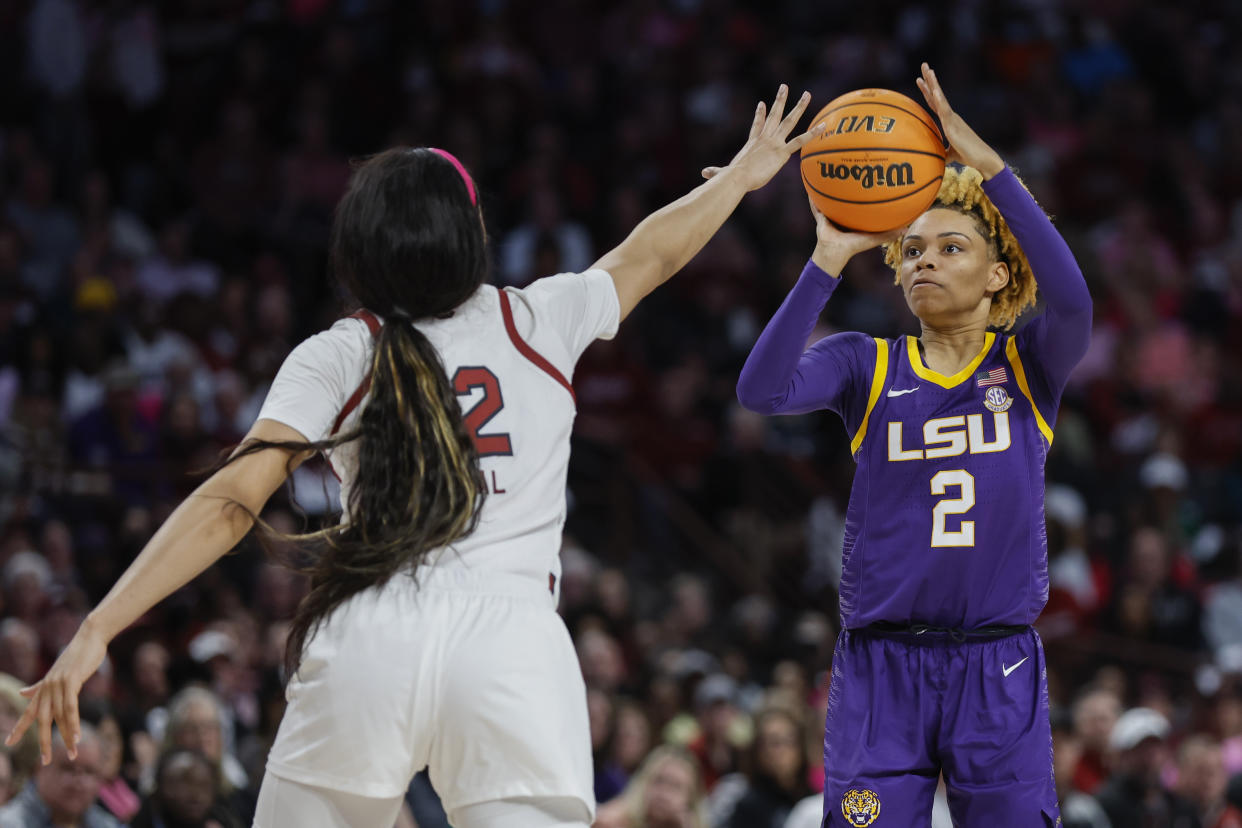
(167, 176)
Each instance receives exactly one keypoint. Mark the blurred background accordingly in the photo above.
(167, 177)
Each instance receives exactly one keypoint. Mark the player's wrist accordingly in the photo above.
(831, 258)
(95, 625)
(736, 177)
(992, 167)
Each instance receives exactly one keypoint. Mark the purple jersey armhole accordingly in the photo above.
(879, 376)
(855, 360)
(1044, 409)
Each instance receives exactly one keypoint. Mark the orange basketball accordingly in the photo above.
(879, 163)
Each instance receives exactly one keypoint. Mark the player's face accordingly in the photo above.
(948, 274)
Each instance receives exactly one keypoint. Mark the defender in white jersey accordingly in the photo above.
(495, 707)
(430, 636)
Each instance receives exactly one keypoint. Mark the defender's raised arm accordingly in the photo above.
(667, 239)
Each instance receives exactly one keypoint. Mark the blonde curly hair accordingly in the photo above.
(962, 191)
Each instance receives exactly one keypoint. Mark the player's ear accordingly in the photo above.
(998, 277)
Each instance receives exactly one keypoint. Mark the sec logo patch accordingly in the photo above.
(860, 807)
(997, 399)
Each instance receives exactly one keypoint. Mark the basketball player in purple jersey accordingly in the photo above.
(945, 563)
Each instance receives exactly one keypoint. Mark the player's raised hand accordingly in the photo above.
(55, 697)
(834, 246)
(965, 145)
(768, 147)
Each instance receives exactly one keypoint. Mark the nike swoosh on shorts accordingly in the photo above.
(1008, 670)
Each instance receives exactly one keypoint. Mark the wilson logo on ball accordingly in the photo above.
(879, 164)
(870, 175)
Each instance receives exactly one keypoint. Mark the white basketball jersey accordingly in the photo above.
(509, 356)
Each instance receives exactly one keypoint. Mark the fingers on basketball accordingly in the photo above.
(820, 219)
(936, 99)
(878, 165)
(814, 132)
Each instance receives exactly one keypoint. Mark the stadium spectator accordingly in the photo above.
(150, 686)
(196, 721)
(62, 793)
(1078, 809)
(115, 794)
(184, 795)
(50, 233)
(775, 780)
(24, 756)
(1148, 604)
(547, 243)
(1201, 780)
(1134, 794)
(1095, 714)
(173, 270)
(666, 792)
(1074, 595)
(609, 777)
(716, 713)
(632, 739)
(19, 650)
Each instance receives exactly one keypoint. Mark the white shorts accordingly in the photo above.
(471, 675)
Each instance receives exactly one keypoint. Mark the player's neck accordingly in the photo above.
(949, 349)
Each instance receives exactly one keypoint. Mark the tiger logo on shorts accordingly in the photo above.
(860, 807)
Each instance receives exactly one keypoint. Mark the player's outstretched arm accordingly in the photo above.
(1062, 332)
(200, 531)
(1053, 265)
(667, 239)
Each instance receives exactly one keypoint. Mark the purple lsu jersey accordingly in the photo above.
(945, 524)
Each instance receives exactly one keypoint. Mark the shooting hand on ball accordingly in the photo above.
(834, 246)
(965, 145)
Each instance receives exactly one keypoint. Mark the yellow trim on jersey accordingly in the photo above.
(921, 370)
(877, 385)
(1011, 351)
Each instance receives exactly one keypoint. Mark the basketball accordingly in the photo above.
(878, 164)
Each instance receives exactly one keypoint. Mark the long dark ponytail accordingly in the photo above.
(407, 243)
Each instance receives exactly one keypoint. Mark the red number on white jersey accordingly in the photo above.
(466, 380)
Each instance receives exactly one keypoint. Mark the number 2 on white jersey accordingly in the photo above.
(965, 481)
(465, 381)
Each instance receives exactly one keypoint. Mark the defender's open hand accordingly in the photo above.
(768, 147)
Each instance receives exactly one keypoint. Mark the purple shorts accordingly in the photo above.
(902, 709)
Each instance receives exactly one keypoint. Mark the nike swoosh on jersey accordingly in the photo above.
(1008, 670)
(893, 392)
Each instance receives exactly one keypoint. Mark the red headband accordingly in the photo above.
(465, 176)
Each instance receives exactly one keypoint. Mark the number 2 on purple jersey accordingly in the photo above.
(466, 380)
